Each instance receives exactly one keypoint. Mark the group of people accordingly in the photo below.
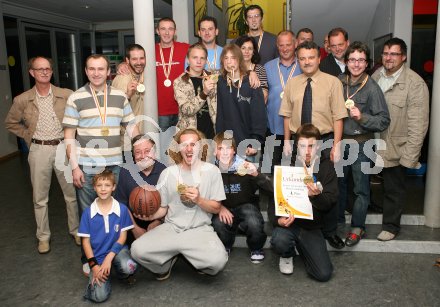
(321, 115)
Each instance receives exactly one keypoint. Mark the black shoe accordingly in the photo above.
(353, 238)
(335, 241)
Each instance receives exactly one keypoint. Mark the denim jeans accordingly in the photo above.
(86, 195)
(248, 218)
(166, 121)
(122, 266)
(361, 189)
(311, 247)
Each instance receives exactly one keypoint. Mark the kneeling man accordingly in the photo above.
(303, 234)
(191, 191)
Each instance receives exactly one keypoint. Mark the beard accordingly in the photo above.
(145, 164)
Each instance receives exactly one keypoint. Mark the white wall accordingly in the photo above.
(8, 142)
(393, 17)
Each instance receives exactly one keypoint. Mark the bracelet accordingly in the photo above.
(92, 262)
(116, 248)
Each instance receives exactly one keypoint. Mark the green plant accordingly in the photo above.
(236, 17)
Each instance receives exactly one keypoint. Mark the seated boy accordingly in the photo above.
(103, 229)
(239, 211)
(305, 235)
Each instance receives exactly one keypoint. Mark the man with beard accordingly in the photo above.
(133, 83)
(266, 42)
(146, 172)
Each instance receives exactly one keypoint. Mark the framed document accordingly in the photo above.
(290, 192)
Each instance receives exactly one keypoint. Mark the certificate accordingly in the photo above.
(290, 193)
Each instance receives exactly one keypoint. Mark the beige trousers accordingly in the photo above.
(42, 164)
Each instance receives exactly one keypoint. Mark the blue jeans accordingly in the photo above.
(247, 218)
(86, 195)
(122, 266)
(361, 189)
(311, 247)
(166, 121)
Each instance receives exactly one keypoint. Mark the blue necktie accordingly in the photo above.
(306, 113)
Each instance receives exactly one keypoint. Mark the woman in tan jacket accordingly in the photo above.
(195, 93)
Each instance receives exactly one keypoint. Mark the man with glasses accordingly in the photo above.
(407, 98)
(265, 41)
(334, 63)
(36, 116)
(368, 113)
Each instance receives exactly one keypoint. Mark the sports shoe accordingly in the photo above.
(257, 256)
(166, 275)
(43, 247)
(354, 237)
(86, 269)
(386, 236)
(286, 265)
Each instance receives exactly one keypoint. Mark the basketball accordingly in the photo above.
(144, 202)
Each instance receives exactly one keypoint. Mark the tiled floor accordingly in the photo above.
(55, 279)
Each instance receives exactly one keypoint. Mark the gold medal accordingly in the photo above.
(282, 94)
(181, 188)
(213, 77)
(242, 170)
(308, 179)
(167, 83)
(349, 103)
(140, 88)
(105, 131)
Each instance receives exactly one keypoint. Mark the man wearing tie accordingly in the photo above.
(314, 97)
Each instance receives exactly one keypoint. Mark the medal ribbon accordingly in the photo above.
(166, 70)
(260, 40)
(102, 115)
(362, 85)
(283, 84)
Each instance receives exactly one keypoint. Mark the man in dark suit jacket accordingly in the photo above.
(334, 63)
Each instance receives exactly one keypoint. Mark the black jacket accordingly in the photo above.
(245, 115)
(321, 203)
(329, 66)
(241, 189)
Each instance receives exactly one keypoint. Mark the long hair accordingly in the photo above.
(174, 151)
(236, 52)
(244, 39)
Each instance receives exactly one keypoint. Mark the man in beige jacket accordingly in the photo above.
(407, 99)
(36, 116)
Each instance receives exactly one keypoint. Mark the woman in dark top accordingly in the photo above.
(251, 59)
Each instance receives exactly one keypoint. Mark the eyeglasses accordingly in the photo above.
(360, 61)
(42, 70)
(391, 54)
(253, 16)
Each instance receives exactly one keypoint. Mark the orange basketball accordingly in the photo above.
(144, 202)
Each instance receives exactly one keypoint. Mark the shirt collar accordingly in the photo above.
(94, 208)
(48, 94)
(393, 76)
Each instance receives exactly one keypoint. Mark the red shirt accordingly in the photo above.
(167, 105)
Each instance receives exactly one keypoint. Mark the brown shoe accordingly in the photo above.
(43, 247)
(77, 240)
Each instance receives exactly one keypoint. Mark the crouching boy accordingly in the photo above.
(304, 235)
(103, 229)
(240, 209)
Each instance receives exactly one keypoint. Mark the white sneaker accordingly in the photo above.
(286, 265)
(86, 269)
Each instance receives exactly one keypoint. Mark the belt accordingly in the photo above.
(49, 142)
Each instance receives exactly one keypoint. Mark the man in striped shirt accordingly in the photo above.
(92, 124)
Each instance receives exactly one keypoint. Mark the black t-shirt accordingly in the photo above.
(204, 122)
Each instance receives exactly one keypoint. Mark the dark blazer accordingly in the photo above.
(328, 65)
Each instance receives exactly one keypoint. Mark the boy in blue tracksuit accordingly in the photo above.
(103, 229)
(239, 211)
